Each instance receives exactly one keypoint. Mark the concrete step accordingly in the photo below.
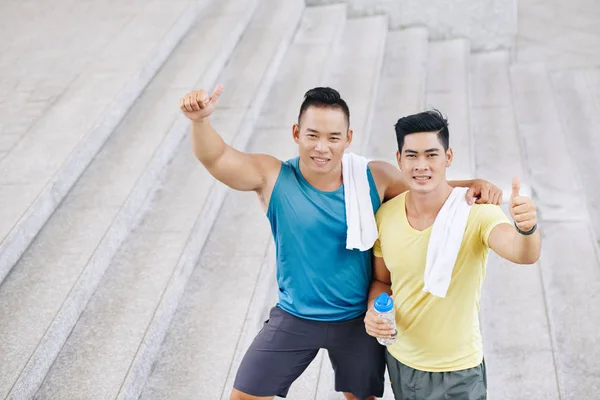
(579, 110)
(204, 346)
(569, 263)
(45, 159)
(360, 53)
(128, 316)
(401, 89)
(516, 336)
(62, 268)
(448, 91)
(558, 191)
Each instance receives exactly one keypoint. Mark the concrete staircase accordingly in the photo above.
(127, 272)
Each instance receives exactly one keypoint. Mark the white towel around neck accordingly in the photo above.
(360, 218)
(444, 243)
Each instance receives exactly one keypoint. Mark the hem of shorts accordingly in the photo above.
(262, 394)
(346, 319)
(460, 367)
(377, 394)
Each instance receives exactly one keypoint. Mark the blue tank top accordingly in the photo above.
(318, 277)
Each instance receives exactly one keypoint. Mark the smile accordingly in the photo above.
(421, 178)
(320, 161)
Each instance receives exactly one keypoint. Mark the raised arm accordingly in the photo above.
(390, 183)
(522, 247)
(238, 170)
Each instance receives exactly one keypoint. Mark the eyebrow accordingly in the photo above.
(426, 151)
(331, 133)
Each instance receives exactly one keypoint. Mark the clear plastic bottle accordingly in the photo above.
(384, 308)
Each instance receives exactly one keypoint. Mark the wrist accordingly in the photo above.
(526, 233)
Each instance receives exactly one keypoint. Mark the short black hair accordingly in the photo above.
(324, 97)
(428, 121)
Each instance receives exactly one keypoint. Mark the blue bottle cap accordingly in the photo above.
(383, 303)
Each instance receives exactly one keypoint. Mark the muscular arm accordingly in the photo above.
(238, 170)
(512, 246)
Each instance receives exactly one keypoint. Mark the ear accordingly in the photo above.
(399, 159)
(296, 133)
(449, 157)
(350, 135)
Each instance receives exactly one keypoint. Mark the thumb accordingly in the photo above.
(516, 186)
(216, 94)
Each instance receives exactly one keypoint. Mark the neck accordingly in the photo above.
(428, 204)
(326, 182)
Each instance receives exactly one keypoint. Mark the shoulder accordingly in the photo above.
(390, 207)
(269, 165)
(485, 211)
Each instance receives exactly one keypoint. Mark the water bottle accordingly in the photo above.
(384, 308)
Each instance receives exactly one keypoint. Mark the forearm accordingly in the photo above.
(207, 144)
(527, 248)
(457, 184)
(378, 287)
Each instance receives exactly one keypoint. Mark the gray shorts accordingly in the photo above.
(286, 345)
(411, 384)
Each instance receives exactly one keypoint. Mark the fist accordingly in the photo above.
(196, 105)
(377, 326)
(522, 209)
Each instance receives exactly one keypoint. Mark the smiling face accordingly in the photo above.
(423, 161)
(322, 136)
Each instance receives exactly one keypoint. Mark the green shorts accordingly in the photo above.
(412, 384)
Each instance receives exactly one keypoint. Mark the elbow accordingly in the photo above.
(529, 259)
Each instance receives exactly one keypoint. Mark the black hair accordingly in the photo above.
(324, 97)
(428, 121)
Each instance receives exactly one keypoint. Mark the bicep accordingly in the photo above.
(502, 241)
(243, 171)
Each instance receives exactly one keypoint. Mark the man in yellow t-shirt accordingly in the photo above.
(438, 353)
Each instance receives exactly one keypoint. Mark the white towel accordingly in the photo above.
(444, 243)
(360, 218)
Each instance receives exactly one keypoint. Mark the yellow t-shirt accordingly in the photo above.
(435, 334)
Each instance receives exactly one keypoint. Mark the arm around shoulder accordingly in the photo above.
(388, 178)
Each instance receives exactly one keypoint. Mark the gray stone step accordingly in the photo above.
(516, 336)
(579, 110)
(569, 263)
(60, 271)
(401, 89)
(79, 110)
(448, 91)
(112, 348)
(360, 53)
(204, 346)
(554, 181)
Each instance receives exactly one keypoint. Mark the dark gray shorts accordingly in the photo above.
(286, 345)
(411, 384)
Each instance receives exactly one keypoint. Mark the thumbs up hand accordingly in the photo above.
(196, 105)
(522, 209)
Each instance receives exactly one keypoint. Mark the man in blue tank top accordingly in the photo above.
(323, 287)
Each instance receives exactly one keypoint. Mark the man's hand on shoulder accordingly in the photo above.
(483, 192)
